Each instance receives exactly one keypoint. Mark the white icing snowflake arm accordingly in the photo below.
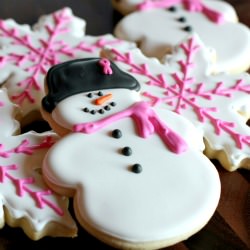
(28, 201)
(217, 105)
(27, 53)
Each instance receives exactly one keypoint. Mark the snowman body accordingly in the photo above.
(157, 204)
(172, 197)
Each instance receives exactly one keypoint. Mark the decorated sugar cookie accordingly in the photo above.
(25, 200)
(159, 25)
(27, 52)
(137, 173)
(218, 105)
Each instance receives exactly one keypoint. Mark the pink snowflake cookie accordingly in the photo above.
(218, 105)
(25, 200)
(27, 53)
(159, 25)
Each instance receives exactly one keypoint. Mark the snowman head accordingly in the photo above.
(86, 90)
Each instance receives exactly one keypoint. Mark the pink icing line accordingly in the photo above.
(100, 43)
(25, 147)
(22, 188)
(147, 123)
(190, 5)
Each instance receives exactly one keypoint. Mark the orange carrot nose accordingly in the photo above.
(101, 100)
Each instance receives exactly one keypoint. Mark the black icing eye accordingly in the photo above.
(100, 93)
(89, 95)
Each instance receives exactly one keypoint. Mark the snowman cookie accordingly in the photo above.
(157, 26)
(137, 174)
(218, 105)
(25, 200)
(28, 52)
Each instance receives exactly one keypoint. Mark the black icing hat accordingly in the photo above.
(82, 75)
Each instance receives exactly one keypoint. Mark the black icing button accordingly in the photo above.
(136, 168)
(188, 28)
(117, 133)
(172, 9)
(182, 19)
(127, 151)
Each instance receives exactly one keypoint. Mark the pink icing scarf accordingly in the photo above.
(190, 5)
(147, 123)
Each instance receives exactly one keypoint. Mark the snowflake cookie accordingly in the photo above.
(137, 172)
(159, 25)
(218, 105)
(25, 200)
(26, 53)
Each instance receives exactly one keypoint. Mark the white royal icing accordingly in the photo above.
(158, 30)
